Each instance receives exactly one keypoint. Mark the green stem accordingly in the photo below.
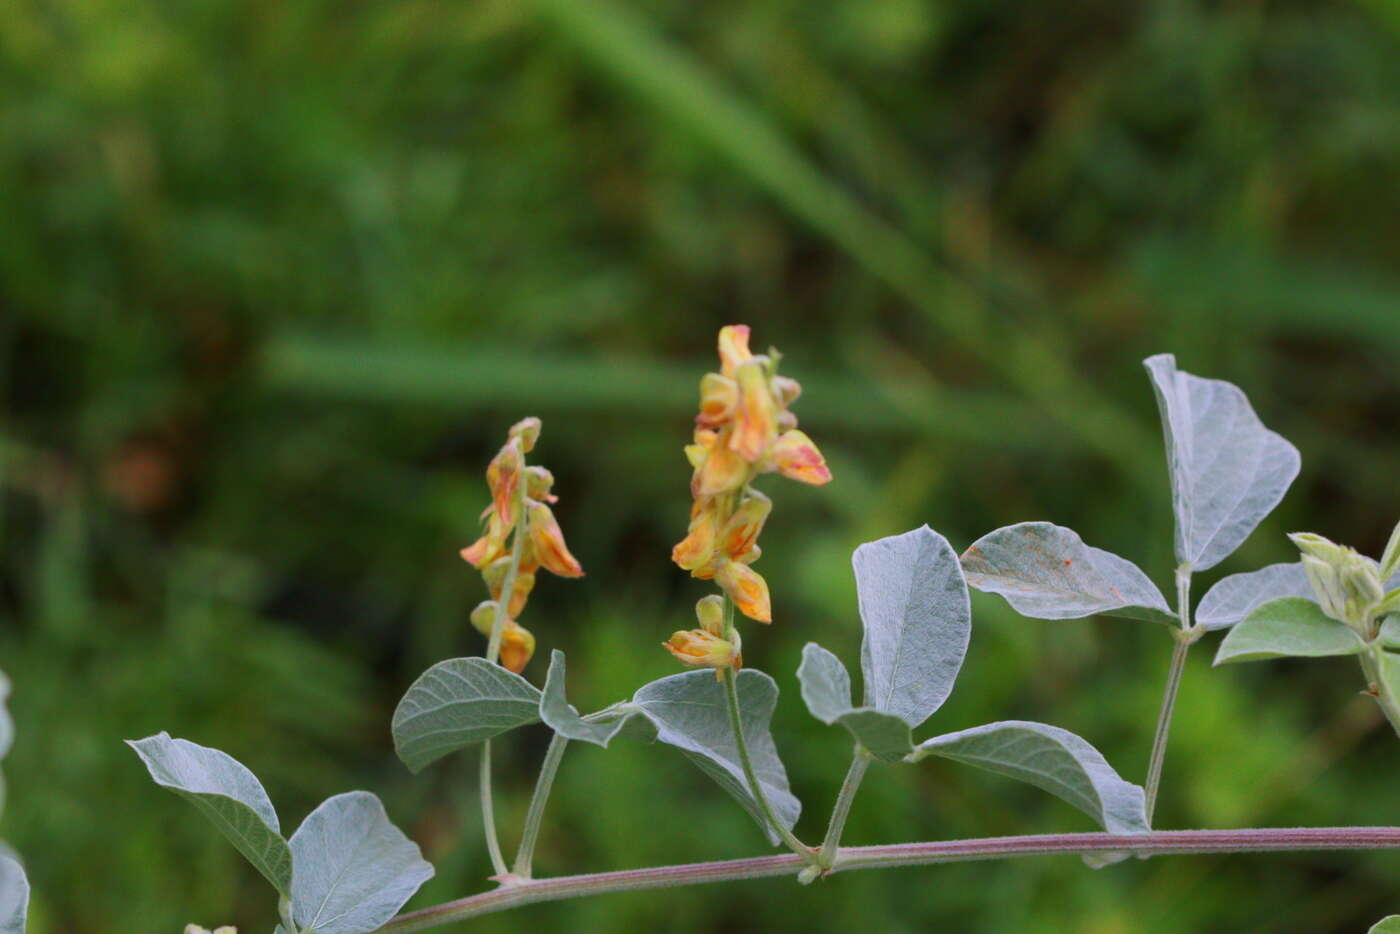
(731, 691)
(552, 757)
(488, 813)
(860, 761)
(1371, 665)
(1178, 665)
(493, 652)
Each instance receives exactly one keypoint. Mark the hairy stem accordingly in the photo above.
(526, 854)
(831, 843)
(1164, 714)
(488, 813)
(1159, 843)
(493, 652)
(1371, 666)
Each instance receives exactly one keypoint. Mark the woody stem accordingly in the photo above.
(731, 693)
(493, 652)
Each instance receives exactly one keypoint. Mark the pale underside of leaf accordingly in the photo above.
(826, 689)
(353, 868)
(458, 703)
(914, 606)
(689, 711)
(1291, 626)
(1046, 571)
(1227, 470)
(1054, 760)
(1235, 597)
(228, 794)
(563, 718)
(14, 897)
(1389, 925)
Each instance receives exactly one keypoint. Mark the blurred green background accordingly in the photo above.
(275, 277)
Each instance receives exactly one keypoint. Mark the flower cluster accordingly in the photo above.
(520, 537)
(745, 428)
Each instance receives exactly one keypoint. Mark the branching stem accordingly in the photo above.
(860, 761)
(1160, 843)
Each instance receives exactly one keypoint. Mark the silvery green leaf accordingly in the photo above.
(1390, 925)
(914, 606)
(1050, 758)
(1289, 627)
(826, 689)
(1046, 571)
(14, 897)
(457, 703)
(1390, 632)
(826, 685)
(1235, 597)
(1227, 470)
(561, 716)
(689, 711)
(228, 794)
(1390, 558)
(353, 868)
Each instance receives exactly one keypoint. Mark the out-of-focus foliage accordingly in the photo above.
(275, 277)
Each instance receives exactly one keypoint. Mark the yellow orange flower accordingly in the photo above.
(747, 588)
(756, 420)
(517, 646)
(698, 547)
(548, 541)
(733, 347)
(721, 471)
(490, 545)
(719, 397)
(704, 650)
(503, 475)
(795, 456)
(745, 523)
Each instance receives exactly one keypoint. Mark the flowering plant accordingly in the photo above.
(349, 870)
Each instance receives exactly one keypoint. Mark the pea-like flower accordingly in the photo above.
(521, 536)
(744, 429)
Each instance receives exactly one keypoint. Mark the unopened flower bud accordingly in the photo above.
(795, 456)
(745, 523)
(719, 397)
(733, 347)
(517, 646)
(703, 649)
(786, 390)
(548, 541)
(747, 588)
(710, 612)
(538, 482)
(755, 421)
(484, 617)
(786, 421)
(1310, 543)
(1327, 587)
(528, 431)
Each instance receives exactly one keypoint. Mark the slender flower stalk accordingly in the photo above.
(1157, 843)
(519, 512)
(524, 857)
